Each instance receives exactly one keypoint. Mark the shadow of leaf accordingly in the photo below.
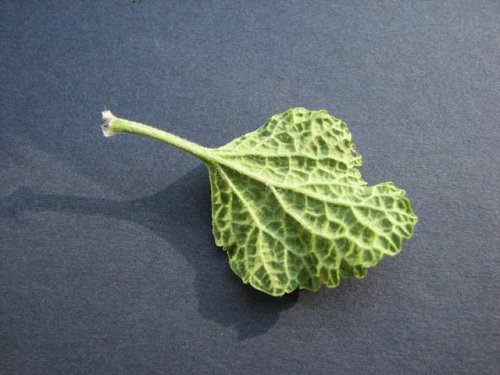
(177, 213)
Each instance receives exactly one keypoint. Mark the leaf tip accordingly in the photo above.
(107, 117)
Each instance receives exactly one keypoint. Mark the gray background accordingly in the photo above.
(107, 259)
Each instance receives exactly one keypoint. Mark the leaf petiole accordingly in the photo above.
(113, 125)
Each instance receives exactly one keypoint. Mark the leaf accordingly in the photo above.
(289, 205)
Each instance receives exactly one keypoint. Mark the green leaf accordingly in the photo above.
(289, 205)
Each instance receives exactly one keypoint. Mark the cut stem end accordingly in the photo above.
(107, 117)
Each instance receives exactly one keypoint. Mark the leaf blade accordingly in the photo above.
(302, 197)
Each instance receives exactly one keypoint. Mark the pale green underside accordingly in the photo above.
(290, 207)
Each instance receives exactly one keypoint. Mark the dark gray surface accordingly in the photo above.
(107, 259)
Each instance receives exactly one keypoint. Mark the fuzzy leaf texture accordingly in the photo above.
(289, 205)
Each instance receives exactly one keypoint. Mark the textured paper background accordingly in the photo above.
(107, 259)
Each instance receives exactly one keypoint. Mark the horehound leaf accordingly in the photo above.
(289, 205)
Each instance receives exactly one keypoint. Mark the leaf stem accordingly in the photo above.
(113, 125)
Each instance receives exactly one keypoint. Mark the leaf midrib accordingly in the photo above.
(218, 160)
(271, 185)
